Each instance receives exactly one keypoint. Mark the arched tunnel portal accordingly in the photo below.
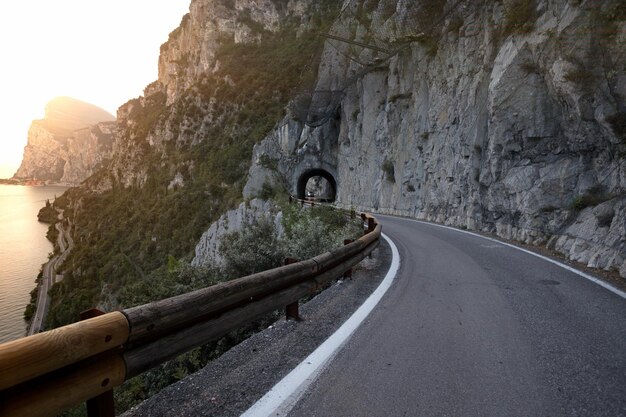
(329, 189)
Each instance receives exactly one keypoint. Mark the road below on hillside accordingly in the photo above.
(65, 244)
(473, 327)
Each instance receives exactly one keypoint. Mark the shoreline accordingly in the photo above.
(25, 248)
(62, 247)
(35, 183)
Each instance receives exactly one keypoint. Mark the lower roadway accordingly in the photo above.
(473, 327)
(48, 279)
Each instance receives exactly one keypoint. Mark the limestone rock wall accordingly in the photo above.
(207, 250)
(66, 157)
(476, 124)
(191, 49)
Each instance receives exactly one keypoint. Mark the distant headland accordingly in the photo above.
(68, 145)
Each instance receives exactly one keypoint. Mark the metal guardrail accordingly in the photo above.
(50, 372)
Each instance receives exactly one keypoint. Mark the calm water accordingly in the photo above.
(23, 248)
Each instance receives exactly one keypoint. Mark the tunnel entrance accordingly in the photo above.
(317, 184)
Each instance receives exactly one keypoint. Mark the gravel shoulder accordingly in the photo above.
(229, 385)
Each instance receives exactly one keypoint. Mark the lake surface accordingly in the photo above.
(23, 249)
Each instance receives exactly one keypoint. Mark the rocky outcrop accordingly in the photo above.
(596, 237)
(190, 51)
(208, 249)
(69, 144)
(477, 119)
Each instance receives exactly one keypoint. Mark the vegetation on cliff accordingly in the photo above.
(48, 214)
(135, 228)
(127, 233)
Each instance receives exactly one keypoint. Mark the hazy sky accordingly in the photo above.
(102, 52)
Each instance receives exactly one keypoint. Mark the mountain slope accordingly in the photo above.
(181, 152)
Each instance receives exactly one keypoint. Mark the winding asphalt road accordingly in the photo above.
(48, 279)
(472, 327)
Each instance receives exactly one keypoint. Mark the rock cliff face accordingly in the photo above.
(506, 117)
(69, 144)
(208, 249)
(190, 52)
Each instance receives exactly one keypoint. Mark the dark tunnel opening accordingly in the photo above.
(317, 184)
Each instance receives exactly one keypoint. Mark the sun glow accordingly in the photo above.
(101, 52)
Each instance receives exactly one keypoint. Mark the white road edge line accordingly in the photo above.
(609, 287)
(285, 394)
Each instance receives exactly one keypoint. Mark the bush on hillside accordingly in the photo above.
(519, 16)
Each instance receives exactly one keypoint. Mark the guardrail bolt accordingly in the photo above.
(103, 405)
(348, 273)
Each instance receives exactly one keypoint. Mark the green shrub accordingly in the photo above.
(389, 170)
(48, 214)
(519, 16)
(245, 18)
(530, 68)
(311, 231)
(29, 312)
(548, 209)
(605, 219)
(255, 248)
(580, 76)
(400, 96)
(308, 238)
(52, 235)
(424, 14)
(146, 114)
(591, 198)
(430, 44)
(268, 163)
(455, 24)
(388, 8)
(271, 192)
(618, 123)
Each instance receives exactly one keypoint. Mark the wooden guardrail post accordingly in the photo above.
(348, 273)
(292, 310)
(104, 404)
(371, 225)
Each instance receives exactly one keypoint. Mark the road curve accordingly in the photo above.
(48, 279)
(476, 328)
